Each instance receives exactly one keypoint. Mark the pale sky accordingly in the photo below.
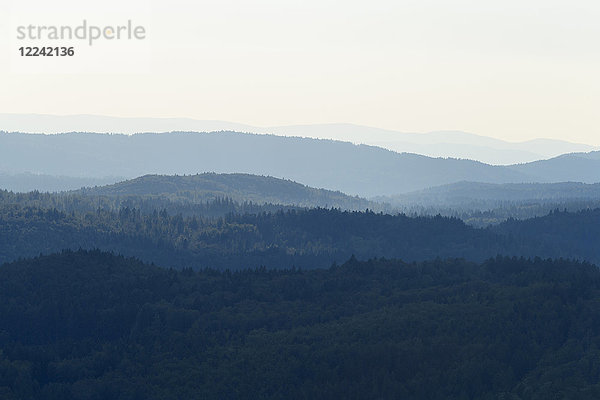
(514, 70)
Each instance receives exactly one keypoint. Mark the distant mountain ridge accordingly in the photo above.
(353, 169)
(366, 171)
(445, 144)
(454, 144)
(238, 187)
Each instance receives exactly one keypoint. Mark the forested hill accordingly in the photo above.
(303, 238)
(202, 188)
(90, 325)
(483, 204)
(577, 231)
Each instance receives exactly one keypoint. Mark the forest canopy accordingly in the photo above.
(91, 325)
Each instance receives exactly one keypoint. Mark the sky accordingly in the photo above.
(514, 70)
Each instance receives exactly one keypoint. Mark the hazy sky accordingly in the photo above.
(510, 69)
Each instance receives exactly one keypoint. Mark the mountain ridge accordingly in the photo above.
(448, 143)
(363, 170)
(353, 169)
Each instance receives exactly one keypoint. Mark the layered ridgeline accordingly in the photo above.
(92, 325)
(443, 144)
(484, 203)
(214, 195)
(313, 238)
(454, 144)
(354, 169)
(207, 187)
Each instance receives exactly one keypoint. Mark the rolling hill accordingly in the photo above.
(353, 169)
(462, 193)
(362, 170)
(574, 167)
(238, 187)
